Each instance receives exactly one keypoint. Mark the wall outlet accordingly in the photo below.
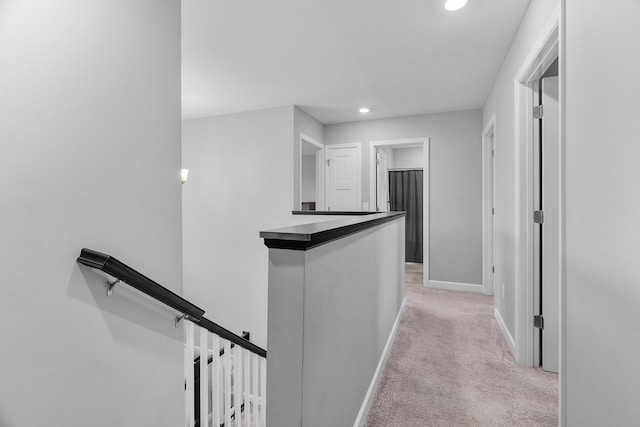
(365, 206)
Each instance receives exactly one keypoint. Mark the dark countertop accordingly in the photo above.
(307, 236)
(358, 213)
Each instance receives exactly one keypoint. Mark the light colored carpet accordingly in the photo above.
(450, 366)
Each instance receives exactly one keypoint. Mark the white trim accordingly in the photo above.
(455, 286)
(311, 140)
(377, 375)
(562, 373)
(425, 143)
(319, 197)
(542, 54)
(488, 202)
(358, 147)
(505, 331)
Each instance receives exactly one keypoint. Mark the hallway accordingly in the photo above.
(450, 366)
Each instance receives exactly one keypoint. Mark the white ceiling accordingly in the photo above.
(398, 57)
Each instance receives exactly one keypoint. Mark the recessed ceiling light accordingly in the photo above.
(364, 110)
(455, 4)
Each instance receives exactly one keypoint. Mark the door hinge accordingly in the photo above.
(538, 111)
(377, 161)
(328, 162)
(538, 321)
(538, 217)
(493, 268)
(493, 153)
(493, 211)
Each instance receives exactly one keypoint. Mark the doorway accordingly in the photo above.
(488, 209)
(311, 179)
(394, 162)
(542, 55)
(406, 194)
(546, 199)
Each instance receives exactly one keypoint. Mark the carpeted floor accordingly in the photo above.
(450, 366)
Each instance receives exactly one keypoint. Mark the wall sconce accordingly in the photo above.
(184, 175)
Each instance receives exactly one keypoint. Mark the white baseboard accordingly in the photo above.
(505, 331)
(368, 398)
(454, 286)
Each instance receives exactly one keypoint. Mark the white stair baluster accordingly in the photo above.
(254, 388)
(215, 385)
(246, 360)
(263, 392)
(204, 378)
(237, 383)
(227, 382)
(188, 372)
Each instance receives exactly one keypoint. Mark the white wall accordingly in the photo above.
(408, 158)
(455, 180)
(602, 211)
(331, 311)
(501, 104)
(240, 182)
(90, 157)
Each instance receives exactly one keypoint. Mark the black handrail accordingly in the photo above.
(121, 271)
(128, 275)
(230, 336)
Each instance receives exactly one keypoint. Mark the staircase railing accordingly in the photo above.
(231, 386)
(230, 389)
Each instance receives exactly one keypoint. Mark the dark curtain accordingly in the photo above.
(405, 194)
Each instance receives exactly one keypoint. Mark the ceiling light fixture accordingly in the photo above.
(455, 4)
(364, 110)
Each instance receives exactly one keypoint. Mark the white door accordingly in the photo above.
(382, 182)
(343, 178)
(550, 292)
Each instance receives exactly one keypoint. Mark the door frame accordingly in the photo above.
(425, 143)
(358, 184)
(320, 185)
(543, 53)
(488, 203)
(380, 154)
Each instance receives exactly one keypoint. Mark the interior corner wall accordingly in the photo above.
(90, 157)
(500, 103)
(306, 124)
(602, 178)
(240, 182)
(455, 229)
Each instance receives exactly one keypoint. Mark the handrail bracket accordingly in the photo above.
(111, 285)
(179, 318)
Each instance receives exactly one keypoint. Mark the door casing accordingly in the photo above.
(488, 203)
(382, 190)
(541, 56)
